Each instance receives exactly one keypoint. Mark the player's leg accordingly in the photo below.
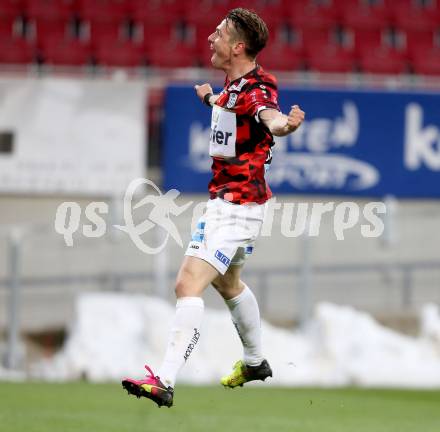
(244, 312)
(246, 318)
(193, 277)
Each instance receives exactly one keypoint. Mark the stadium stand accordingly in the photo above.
(320, 35)
(11, 8)
(7, 26)
(49, 10)
(66, 52)
(103, 10)
(16, 51)
(282, 56)
(331, 58)
(426, 61)
(383, 60)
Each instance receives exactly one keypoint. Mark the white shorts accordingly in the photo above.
(226, 233)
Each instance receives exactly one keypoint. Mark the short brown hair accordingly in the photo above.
(249, 27)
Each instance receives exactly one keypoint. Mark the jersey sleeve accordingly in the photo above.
(259, 98)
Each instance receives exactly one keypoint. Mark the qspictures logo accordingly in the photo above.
(296, 218)
(163, 206)
(68, 216)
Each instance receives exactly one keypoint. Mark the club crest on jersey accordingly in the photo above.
(232, 100)
(239, 86)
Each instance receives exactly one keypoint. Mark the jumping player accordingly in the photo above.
(245, 117)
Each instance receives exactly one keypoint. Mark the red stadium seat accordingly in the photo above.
(313, 39)
(361, 15)
(426, 61)
(46, 30)
(103, 20)
(120, 53)
(248, 4)
(283, 33)
(273, 13)
(11, 8)
(281, 56)
(105, 10)
(382, 60)
(16, 51)
(8, 27)
(412, 4)
(49, 9)
(157, 12)
(368, 39)
(342, 4)
(65, 52)
(162, 36)
(416, 18)
(205, 12)
(103, 30)
(176, 54)
(396, 4)
(423, 39)
(312, 14)
(331, 58)
(157, 21)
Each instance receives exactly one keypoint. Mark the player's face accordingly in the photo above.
(221, 46)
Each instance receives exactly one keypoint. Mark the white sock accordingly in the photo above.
(246, 319)
(184, 335)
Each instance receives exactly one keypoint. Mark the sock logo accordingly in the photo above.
(239, 334)
(192, 344)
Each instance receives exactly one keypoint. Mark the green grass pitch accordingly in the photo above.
(68, 407)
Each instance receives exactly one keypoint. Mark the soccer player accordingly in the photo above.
(245, 117)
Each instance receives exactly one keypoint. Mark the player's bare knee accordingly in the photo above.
(219, 285)
(188, 284)
(184, 288)
(235, 288)
(228, 287)
(216, 285)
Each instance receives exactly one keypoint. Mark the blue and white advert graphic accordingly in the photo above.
(358, 143)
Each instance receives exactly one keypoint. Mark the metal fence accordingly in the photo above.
(37, 263)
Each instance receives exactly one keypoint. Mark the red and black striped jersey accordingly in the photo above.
(240, 144)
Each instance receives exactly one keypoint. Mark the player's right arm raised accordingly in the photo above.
(281, 124)
(205, 94)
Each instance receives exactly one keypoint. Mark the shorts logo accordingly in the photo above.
(222, 258)
(232, 100)
(194, 246)
(199, 233)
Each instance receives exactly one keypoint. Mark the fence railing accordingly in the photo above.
(117, 281)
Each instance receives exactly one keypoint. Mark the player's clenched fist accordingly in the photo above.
(295, 118)
(203, 90)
